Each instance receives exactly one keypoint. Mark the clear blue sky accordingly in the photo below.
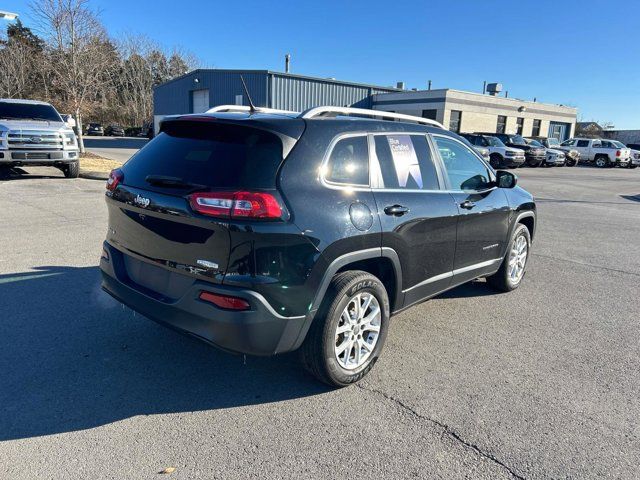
(580, 53)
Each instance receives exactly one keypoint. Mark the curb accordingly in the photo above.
(94, 175)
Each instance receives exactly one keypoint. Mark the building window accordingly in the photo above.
(520, 123)
(536, 128)
(455, 121)
(502, 124)
(430, 114)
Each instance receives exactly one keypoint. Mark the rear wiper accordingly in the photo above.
(173, 182)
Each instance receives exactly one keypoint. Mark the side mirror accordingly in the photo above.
(505, 179)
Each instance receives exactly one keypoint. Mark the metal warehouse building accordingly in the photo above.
(463, 112)
(468, 112)
(200, 90)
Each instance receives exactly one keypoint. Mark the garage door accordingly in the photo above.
(200, 101)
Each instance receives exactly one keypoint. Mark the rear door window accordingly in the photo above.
(348, 162)
(583, 143)
(406, 162)
(216, 156)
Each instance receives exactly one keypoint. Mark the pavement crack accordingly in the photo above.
(447, 430)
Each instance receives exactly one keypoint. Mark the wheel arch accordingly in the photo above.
(382, 261)
(528, 219)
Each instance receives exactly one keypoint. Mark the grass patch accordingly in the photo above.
(90, 162)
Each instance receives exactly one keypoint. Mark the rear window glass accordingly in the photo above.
(215, 156)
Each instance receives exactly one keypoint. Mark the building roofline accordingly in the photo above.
(482, 95)
(283, 74)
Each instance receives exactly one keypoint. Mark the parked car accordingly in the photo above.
(572, 155)
(262, 234)
(33, 134)
(555, 158)
(114, 130)
(603, 153)
(95, 129)
(535, 156)
(635, 155)
(500, 156)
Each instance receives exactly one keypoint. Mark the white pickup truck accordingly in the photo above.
(604, 153)
(33, 134)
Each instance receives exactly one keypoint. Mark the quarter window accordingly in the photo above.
(502, 124)
(349, 162)
(464, 169)
(406, 162)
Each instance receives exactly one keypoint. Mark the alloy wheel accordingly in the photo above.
(357, 331)
(518, 258)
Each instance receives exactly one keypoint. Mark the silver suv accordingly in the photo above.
(33, 134)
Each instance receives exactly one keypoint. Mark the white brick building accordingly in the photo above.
(468, 112)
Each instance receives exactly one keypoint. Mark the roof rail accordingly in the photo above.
(244, 108)
(319, 111)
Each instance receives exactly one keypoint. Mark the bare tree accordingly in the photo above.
(79, 56)
(20, 56)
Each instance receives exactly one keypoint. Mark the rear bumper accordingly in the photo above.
(258, 331)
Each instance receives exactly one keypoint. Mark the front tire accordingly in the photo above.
(514, 264)
(71, 170)
(349, 331)
(495, 161)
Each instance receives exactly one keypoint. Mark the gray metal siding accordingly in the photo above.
(175, 97)
(289, 92)
(298, 94)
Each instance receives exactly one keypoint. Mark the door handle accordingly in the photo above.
(396, 210)
(468, 204)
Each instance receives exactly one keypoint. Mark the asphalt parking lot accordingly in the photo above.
(542, 382)
(114, 148)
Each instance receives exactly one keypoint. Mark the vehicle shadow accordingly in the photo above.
(633, 198)
(475, 288)
(73, 358)
(17, 173)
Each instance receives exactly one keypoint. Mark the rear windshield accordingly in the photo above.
(28, 111)
(214, 156)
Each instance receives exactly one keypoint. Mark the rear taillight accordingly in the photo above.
(115, 177)
(225, 301)
(618, 153)
(236, 204)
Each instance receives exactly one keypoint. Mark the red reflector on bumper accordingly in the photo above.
(225, 301)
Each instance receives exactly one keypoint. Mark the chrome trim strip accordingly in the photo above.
(453, 273)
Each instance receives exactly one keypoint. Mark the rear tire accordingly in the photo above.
(602, 161)
(506, 278)
(71, 170)
(334, 350)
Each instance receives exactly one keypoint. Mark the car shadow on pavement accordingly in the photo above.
(633, 198)
(475, 288)
(73, 358)
(17, 173)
